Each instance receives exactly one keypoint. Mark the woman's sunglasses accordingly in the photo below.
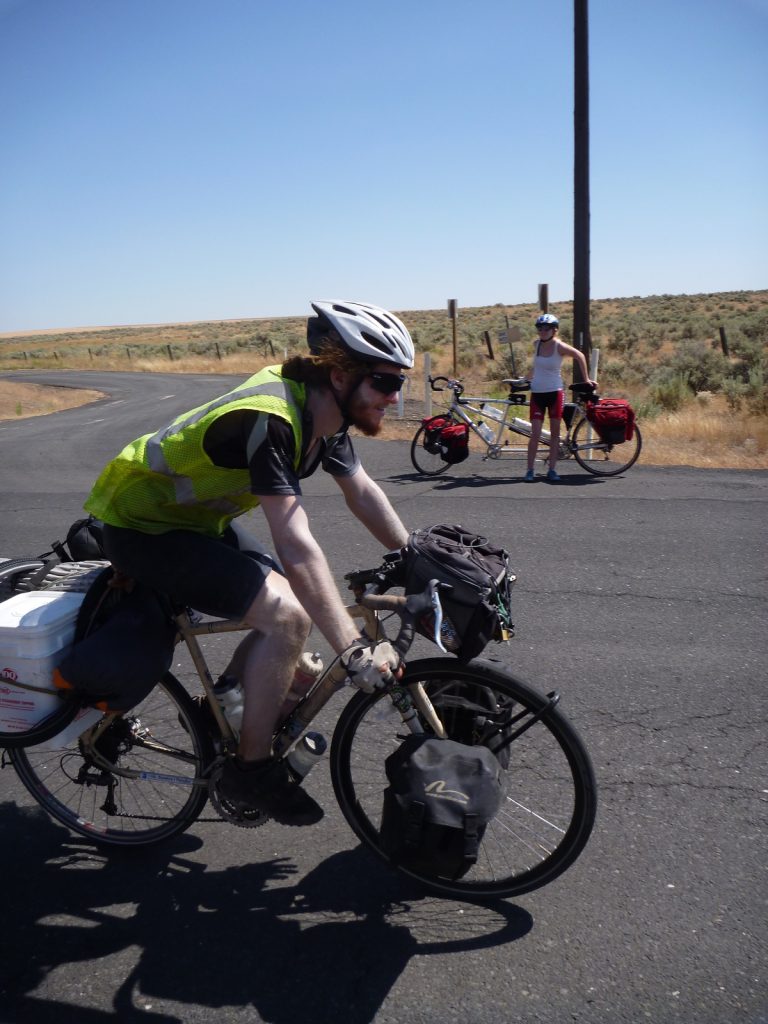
(386, 383)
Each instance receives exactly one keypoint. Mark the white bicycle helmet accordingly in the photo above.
(367, 332)
(547, 320)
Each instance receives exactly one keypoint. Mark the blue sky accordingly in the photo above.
(167, 160)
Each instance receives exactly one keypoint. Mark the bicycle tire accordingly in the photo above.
(608, 459)
(43, 730)
(426, 462)
(550, 794)
(116, 811)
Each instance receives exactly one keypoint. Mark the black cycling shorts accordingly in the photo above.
(219, 576)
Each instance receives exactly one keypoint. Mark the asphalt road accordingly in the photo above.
(642, 599)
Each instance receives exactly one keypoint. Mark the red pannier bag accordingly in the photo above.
(454, 443)
(613, 419)
(432, 428)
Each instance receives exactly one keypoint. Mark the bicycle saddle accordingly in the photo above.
(518, 384)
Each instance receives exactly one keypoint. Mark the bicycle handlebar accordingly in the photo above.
(454, 385)
(409, 607)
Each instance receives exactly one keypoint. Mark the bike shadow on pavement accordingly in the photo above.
(140, 935)
(451, 483)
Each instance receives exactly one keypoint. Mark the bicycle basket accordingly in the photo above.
(476, 609)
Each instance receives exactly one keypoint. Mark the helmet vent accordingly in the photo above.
(373, 340)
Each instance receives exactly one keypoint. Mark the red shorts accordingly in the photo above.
(547, 401)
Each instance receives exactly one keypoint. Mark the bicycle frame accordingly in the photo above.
(461, 409)
(303, 714)
(579, 441)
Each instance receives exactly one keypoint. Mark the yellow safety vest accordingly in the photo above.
(166, 481)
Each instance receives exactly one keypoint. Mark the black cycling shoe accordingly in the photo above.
(267, 787)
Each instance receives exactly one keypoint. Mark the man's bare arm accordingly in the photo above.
(368, 503)
(307, 570)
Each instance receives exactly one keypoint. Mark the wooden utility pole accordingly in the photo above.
(453, 313)
(581, 330)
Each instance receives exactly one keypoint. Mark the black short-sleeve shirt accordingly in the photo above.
(264, 444)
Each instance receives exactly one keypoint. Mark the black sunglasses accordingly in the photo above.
(545, 327)
(386, 383)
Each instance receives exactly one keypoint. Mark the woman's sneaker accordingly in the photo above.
(267, 787)
(529, 477)
(552, 476)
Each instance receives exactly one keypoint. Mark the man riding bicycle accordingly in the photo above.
(169, 501)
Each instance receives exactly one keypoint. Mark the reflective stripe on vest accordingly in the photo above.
(183, 485)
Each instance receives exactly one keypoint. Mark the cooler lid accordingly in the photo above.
(38, 612)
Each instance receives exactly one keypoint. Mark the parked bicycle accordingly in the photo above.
(138, 778)
(495, 424)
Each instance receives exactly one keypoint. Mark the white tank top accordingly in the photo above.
(547, 374)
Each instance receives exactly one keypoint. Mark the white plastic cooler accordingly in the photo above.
(36, 630)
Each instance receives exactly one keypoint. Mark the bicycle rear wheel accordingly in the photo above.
(549, 790)
(426, 460)
(163, 738)
(603, 459)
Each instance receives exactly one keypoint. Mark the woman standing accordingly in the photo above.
(548, 390)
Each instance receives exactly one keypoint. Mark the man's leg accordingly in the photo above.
(265, 662)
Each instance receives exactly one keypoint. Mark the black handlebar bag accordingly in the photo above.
(476, 609)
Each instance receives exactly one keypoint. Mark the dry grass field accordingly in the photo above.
(703, 434)
(694, 366)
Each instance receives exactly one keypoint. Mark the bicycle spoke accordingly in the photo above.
(549, 798)
(161, 793)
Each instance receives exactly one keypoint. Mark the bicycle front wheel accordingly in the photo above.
(600, 458)
(549, 792)
(426, 458)
(162, 739)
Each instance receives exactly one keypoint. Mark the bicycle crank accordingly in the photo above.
(227, 811)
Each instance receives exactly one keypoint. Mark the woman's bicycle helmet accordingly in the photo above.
(367, 332)
(547, 320)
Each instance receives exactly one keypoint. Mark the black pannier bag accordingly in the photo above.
(85, 540)
(440, 798)
(477, 608)
(123, 645)
(569, 411)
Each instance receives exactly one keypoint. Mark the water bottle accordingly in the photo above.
(491, 412)
(305, 755)
(485, 432)
(229, 694)
(308, 668)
